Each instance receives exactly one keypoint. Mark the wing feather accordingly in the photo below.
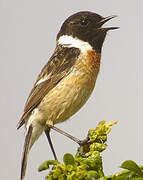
(59, 65)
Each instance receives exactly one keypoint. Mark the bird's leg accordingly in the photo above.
(78, 141)
(47, 132)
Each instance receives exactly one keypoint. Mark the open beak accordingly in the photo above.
(104, 20)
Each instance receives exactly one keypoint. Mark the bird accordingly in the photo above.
(67, 80)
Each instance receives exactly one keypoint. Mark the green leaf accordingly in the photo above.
(68, 159)
(132, 166)
(122, 177)
(91, 175)
(46, 164)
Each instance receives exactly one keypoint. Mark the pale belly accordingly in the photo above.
(66, 98)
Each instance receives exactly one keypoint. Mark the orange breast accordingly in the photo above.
(89, 64)
(93, 60)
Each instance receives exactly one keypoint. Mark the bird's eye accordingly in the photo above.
(84, 22)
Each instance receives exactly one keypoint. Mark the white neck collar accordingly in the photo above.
(69, 41)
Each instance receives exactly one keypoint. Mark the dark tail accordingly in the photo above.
(25, 152)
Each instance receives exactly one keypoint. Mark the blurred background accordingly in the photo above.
(27, 40)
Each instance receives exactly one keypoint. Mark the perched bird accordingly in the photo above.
(67, 80)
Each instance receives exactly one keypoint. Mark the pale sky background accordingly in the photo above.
(27, 40)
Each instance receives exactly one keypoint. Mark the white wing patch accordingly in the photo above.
(69, 41)
(43, 79)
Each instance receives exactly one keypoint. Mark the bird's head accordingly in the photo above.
(86, 26)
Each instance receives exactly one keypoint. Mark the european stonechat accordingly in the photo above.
(67, 80)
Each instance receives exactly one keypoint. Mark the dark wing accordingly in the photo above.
(55, 70)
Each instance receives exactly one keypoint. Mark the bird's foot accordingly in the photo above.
(84, 146)
(84, 141)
